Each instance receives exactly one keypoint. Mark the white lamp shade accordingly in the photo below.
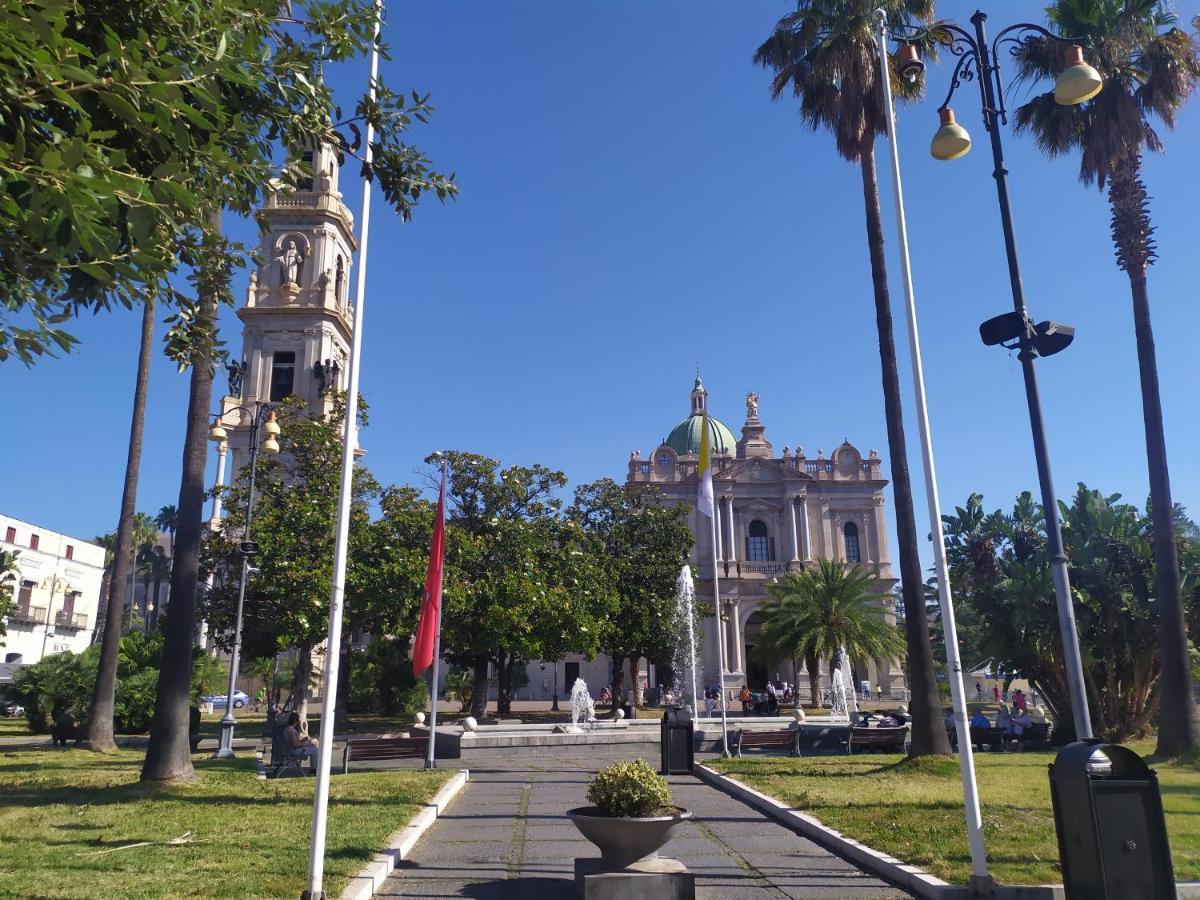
(217, 433)
(1077, 83)
(271, 427)
(270, 445)
(951, 140)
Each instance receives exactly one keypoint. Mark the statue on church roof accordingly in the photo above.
(752, 405)
(290, 262)
(237, 371)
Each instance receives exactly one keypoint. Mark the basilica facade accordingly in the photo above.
(773, 513)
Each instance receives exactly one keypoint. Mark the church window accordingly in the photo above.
(283, 375)
(758, 543)
(850, 533)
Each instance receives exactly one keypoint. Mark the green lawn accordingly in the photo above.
(913, 809)
(251, 837)
(15, 727)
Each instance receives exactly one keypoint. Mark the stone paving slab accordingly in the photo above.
(506, 837)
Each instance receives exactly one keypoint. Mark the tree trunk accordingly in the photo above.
(99, 733)
(639, 698)
(1132, 235)
(503, 683)
(813, 664)
(341, 720)
(479, 691)
(154, 613)
(301, 680)
(618, 678)
(1178, 720)
(928, 732)
(168, 758)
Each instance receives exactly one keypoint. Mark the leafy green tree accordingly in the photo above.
(287, 601)
(519, 580)
(999, 570)
(641, 545)
(117, 118)
(824, 53)
(1150, 69)
(820, 613)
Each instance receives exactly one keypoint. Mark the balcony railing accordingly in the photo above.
(65, 619)
(34, 614)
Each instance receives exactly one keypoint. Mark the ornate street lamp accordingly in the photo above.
(261, 417)
(1079, 82)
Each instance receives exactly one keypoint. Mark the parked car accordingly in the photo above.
(218, 700)
(11, 708)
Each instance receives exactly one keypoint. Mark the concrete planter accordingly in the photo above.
(623, 841)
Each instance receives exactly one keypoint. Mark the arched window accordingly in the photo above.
(850, 532)
(758, 543)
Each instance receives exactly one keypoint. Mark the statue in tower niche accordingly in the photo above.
(752, 405)
(290, 261)
(237, 371)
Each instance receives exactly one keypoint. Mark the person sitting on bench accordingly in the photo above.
(299, 744)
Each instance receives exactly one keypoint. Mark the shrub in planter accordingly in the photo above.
(631, 790)
(134, 706)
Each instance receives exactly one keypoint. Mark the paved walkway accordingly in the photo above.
(506, 836)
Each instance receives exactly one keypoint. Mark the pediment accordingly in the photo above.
(753, 471)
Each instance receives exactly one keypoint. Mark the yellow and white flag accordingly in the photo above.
(704, 502)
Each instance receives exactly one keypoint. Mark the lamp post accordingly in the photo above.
(978, 60)
(261, 416)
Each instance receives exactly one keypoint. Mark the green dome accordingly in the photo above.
(685, 437)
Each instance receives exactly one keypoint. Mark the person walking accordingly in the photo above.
(996, 692)
(1018, 701)
(979, 690)
(746, 697)
(709, 702)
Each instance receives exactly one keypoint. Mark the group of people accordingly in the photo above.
(1013, 722)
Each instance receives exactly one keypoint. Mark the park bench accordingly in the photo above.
(882, 739)
(990, 737)
(786, 739)
(375, 749)
(1034, 736)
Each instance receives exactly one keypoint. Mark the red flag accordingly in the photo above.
(431, 599)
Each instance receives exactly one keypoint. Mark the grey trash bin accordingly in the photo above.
(676, 741)
(1108, 815)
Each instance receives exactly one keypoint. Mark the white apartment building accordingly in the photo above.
(56, 594)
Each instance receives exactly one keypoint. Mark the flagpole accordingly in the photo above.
(712, 520)
(430, 756)
(966, 758)
(333, 642)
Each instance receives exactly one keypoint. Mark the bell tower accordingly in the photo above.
(297, 321)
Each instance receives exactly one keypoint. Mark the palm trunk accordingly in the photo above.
(928, 734)
(1132, 234)
(99, 733)
(1179, 720)
(168, 758)
(813, 664)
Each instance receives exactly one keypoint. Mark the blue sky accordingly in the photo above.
(633, 203)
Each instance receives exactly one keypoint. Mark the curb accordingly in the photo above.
(371, 877)
(886, 867)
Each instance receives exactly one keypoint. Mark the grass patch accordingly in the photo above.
(912, 809)
(60, 807)
(14, 727)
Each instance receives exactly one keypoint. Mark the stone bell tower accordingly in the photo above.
(297, 320)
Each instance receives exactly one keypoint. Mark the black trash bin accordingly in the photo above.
(630, 710)
(676, 741)
(1108, 815)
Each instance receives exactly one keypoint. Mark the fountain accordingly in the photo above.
(683, 654)
(583, 710)
(845, 701)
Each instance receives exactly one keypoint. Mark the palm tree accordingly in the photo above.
(824, 52)
(169, 757)
(1150, 68)
(168, 520)
(99, 730)
(821, 613)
